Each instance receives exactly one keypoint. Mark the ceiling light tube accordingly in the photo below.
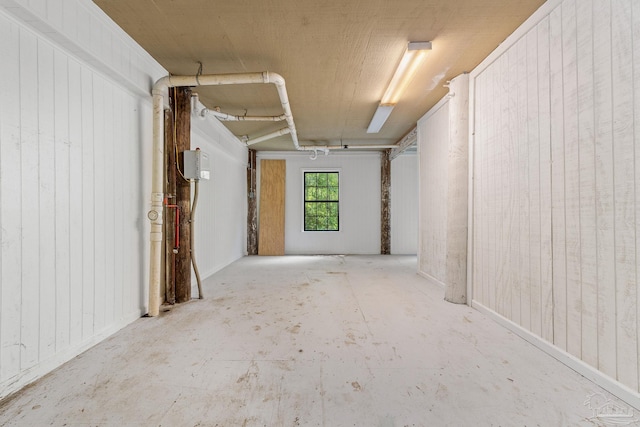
(379, 117)
(413, 56)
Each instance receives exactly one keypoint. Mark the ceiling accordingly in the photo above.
(337, 56)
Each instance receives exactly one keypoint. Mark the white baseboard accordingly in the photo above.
(17, 382)
(431, 279)
(609, 384)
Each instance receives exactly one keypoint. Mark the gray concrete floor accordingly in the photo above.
(311, 341)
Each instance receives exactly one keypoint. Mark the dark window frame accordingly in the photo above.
(321, 191)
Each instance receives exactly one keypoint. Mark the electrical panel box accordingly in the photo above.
(196, 165)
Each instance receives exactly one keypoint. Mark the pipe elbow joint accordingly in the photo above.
(161, 85)
(274, 78)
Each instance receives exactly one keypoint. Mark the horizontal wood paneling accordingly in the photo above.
(556, 182)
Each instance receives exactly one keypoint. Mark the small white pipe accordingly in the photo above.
(210, 80)
(344, 147)
(268, 136)
(231, 118)
(157, 198)
(204, 111)
(360, 147)
(278, 80)
(192, 233)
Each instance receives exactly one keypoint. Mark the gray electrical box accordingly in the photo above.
(196, 165)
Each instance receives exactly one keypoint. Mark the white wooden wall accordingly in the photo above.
(433, 139)
(75, 144)
(71, 204)
(404, 204)
(359, 203)
(556, 209)
(221, 216)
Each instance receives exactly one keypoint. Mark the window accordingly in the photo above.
(321, 201)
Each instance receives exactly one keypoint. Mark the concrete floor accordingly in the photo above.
(311, 341)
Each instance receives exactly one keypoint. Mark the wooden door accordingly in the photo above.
(271, 220)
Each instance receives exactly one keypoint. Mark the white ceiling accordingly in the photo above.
(336, 56)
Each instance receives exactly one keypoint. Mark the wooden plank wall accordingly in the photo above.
(75, 144)
(221, 224)
(404, 204)
(457, 203)
(556, 183)
(71, 264)
(433, 140)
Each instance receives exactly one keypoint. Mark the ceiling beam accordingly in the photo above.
(405, 142)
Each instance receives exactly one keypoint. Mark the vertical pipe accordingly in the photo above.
(157, 197)
(192, 234)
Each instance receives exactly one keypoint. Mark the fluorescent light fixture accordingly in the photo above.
(379, 117)
(413, 56)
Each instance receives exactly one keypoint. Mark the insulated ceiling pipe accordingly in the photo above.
(157, 196)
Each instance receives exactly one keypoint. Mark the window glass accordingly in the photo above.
(321, 204)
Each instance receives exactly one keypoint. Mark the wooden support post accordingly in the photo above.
(252, 206)
(385, 203)
(170, 214)
(182, 113)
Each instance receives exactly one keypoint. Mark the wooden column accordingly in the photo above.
(457, 191)
(252, 206)
(385, 203)
(170, 213)
(182, 113)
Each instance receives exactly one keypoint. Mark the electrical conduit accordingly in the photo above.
(192, 232)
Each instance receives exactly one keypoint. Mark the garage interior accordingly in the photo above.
(455, 247)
